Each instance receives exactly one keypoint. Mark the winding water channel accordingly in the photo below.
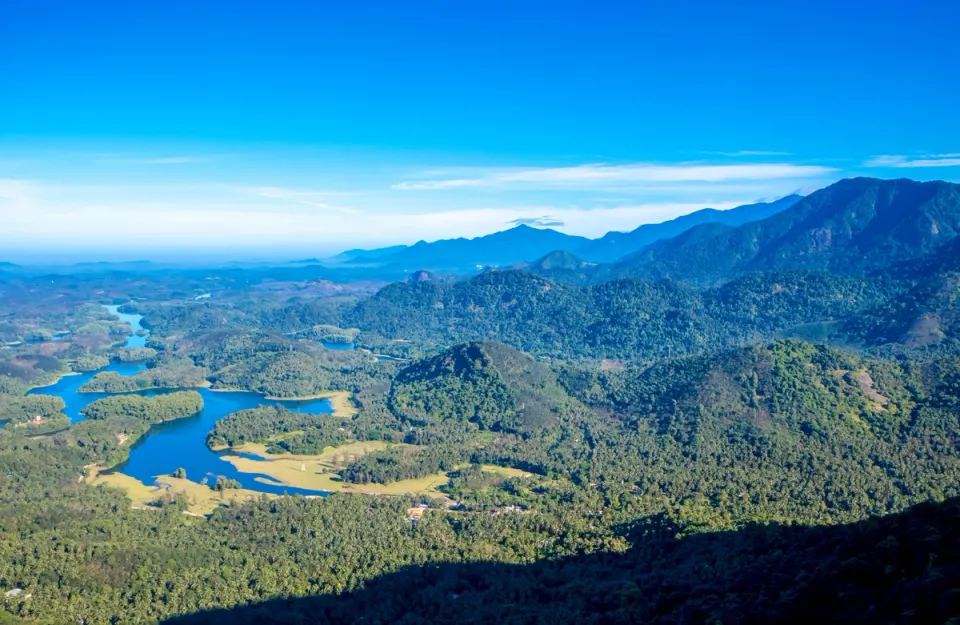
(180, 443)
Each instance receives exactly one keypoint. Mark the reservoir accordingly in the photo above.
(338, 346)
(134, 340)
(181, 443)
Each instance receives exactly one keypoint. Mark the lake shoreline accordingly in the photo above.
(54, 382)
(181, 443)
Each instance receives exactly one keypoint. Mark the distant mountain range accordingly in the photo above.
(466, 255)
(525, 243)
(869, 262)
(615, 245)
(367, 255)
(855, 226)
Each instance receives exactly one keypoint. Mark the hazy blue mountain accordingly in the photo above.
(372, 255)
(858, 225)
(500, 248)
(615, 245)
(563, 266)
(524, 243)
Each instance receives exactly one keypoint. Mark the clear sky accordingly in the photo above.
(129, 128)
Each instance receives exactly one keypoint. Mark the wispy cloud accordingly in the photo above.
(593, 176)
(141, 159)
(18, 191)
(927, 160)
(175, 160)
(751, 153)
(307, 198)
(35, 215)
(543, 222)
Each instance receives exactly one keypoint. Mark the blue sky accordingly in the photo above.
(132, 127)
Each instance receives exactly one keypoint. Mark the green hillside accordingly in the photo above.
(619, 319)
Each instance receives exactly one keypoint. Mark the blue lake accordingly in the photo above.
(134, 320)
(180, 443)
(338, 346)
(183, 443)
(66, 388)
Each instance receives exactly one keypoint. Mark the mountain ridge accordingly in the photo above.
(505, 247)
(527, 244)
(855, 225)
(615, 245)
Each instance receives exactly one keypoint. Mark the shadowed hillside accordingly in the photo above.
(903, 568)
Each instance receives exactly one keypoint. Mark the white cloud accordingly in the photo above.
(17, 192)
(545, 221)
(594, 176)
(174, 160)
(304, 197)
(180, 159)
(929, 160)
(38, 216)
(455, 183)
(751, 153)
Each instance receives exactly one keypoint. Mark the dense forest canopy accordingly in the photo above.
(751, 421)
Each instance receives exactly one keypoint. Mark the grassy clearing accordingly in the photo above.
(331, 457)
(319, 472)
(504, 471)
(331, 482)
(202, 499)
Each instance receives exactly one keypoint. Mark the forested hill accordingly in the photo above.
(774, 445)
(618, 319)
(489, 384)
(563, 267)
(785, 431)
(859, 225)
(863, 262)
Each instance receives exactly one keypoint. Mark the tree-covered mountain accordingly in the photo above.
(619, 319)
(857, 226)
(864, 262)
(787, 428)
(659, 458)
(662, 453)
(507, 247)
(615, 245)
(923, 319)
(783, 431)
(488, 385)
(563, 266)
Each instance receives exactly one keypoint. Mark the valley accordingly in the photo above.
(223, 438)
